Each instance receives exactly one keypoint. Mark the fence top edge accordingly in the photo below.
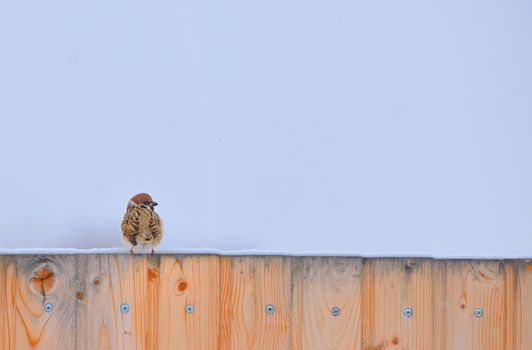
(258, 256)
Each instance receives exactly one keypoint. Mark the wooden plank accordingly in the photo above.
(511, 312)
(319, 285)
(203, 274)
(195, 281)
(109, 282)
(229, 296)
(439, 306)
(471, 285)
(7, 302)
(171, 315)
(29, 283)
(390, 286)
(248, 285)
(523, 298)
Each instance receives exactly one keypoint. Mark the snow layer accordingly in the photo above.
(243, 252)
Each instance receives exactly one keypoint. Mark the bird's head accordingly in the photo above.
(141, 200)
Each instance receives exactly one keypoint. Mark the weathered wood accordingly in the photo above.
(390, 288)
(203, 274)
(172, 299)
(472, 285)
(510, 302)
(248, 285)
(228, 296)
(112, 281)
(326, 307)
(439, 304)
(7, 302)
(523, 305)
(195, 281)
(29, 283)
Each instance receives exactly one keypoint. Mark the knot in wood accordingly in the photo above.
(180, 287)
(43, 280)
(153, 275)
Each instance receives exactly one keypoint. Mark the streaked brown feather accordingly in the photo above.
(129, 229)
(141, 225)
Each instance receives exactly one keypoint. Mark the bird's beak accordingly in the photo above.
(153, 204)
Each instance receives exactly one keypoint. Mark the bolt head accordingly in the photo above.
(48, 307)
(479, 312)
(124, 308)
(407, 312)
(190, 308)
(269, 309)
(335, 311)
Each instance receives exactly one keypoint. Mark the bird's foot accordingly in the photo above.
(152, 251)
(131, 251)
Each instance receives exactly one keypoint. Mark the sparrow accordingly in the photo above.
(141, 224)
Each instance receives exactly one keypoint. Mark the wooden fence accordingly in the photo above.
(65, 302)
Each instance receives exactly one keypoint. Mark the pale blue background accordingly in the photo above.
(373, 127)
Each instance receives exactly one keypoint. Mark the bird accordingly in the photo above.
(141, 224)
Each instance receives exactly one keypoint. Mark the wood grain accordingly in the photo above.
(439, 273)
(7, 302)
(248, 285)
(202, 326)
(28, 284)
(190, 281)
(510, 303)
(523, 305)
(319, 285)
(471, 285)
(390, 286)
(109, 282)
(229, 296)
(172, 300)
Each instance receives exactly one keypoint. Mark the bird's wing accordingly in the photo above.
(130, 226)
(155, 225)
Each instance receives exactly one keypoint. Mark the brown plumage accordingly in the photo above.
(141, 223)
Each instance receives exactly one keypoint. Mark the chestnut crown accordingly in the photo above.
(141, 200)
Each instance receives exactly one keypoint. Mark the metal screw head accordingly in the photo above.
(190, 308)
(124, 308)
(48, 307)
(407, 312)
(269, 309)
(479, 312)
(335, 311)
